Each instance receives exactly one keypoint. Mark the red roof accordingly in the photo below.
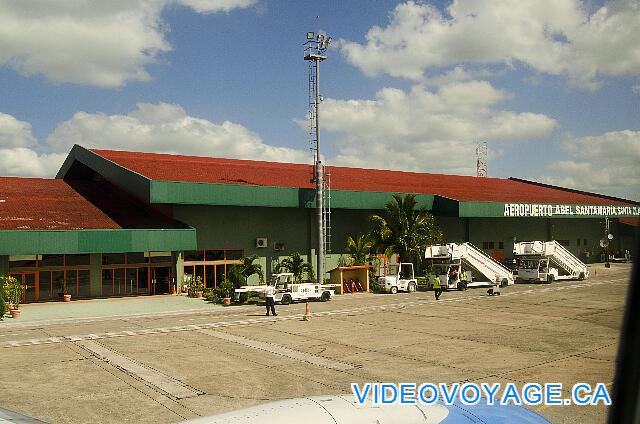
(166, 167)
(43, 204)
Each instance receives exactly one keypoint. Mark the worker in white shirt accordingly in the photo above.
(269, 294)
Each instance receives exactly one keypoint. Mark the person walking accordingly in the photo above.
(269, 295)
(437, 290)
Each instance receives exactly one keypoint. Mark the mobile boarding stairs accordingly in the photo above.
(453, 262)
(547, 261)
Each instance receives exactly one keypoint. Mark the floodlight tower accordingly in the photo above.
(315, 52)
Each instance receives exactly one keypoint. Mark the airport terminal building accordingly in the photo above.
(116, 223)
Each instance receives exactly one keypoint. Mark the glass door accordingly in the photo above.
(29, 282)
(161, 280)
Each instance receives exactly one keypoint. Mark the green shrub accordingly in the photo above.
(211, 295)
(3, 308)
(225, 288)
(11, 290)
(196, 286)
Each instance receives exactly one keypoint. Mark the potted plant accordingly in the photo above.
(6, 284)
(15, 291)
(224, 289)
(197, 287)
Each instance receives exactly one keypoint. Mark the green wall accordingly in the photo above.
(235, 227)
(4, 265)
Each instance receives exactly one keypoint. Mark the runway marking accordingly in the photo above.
(169, 385)
(225, 324)
(281, 350)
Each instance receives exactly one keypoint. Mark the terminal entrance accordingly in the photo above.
(28, 281)
(161, 280)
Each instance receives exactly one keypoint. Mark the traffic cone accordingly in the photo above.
(307, 312)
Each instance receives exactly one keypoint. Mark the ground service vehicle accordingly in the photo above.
(450, 262)
(400, 277)
(287, 291)
(547, 261)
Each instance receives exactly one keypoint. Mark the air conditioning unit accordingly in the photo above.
(278, 246)
(261, 242)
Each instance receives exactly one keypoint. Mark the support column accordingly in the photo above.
(466, 230)
(95, 275)
(179, 270)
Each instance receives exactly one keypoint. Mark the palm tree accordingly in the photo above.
(239, 273)
(360, 248)
(296, 265)
(404, 229)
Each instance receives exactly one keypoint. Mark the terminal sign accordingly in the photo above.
(533, 209)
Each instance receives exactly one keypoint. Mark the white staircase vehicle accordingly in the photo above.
(469, 256)
(565, 263)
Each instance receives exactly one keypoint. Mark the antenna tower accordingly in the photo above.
(481, 159)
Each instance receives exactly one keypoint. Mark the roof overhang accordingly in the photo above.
(188, 193)
(22, 242)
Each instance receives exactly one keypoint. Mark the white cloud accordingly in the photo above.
(606, 163)
(17, 158)
(15, 133)
(213, 6)
(422, 130)
(459, 73)
(550, 36)
(23, 162)
(166, 128)
(94, 42)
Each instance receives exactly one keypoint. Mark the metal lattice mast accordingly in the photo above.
(481, 159)
(327, 212)
(313, 142)
(315, 52)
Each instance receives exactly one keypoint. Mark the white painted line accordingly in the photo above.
(281, 350)
(352, 311)
(167, 384)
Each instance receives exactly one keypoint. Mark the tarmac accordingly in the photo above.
(166, 359)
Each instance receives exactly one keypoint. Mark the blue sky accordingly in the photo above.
(553, 89)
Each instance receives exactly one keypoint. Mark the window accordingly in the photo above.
(488, 245)
(136, 258)
(215, 255)
(74, 260)
(23, 261)
(194, 255)
(52, 260)
(501, 245)
(584, 242)
(160, 259)
(578, 242)
(233, 255)
(113, 259)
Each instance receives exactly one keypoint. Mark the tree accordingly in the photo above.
(296, 265)
(239, 273)
(404, 229)
(359, 248)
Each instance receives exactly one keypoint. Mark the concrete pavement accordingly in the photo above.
(235, 357)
